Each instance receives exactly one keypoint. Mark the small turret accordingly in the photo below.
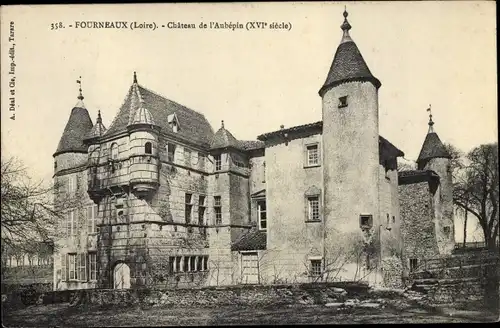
(144, 158)
(435, 157)
(71, 150)
(95, 160)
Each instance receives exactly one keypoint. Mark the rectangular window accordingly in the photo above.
(92, 211)
(72, 266)
(218, 210)
(170, 152)
(313, 208)
(188, 210)
(315, 268)
(192, 263)
(201, 161)
(186, 264)
(312, 155)
(178, 261)
(366, 221)
(187, 157)
(218, 162)
(343, 102)
(205, 263)
(82, 267)
(71, 223)
(413, 264)
(201, 213)
(200, 263)
(171, 264)
(262, 213)
(92, 266)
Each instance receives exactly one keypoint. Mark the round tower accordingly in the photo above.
(350, 150)
(434, 156)
(72, 151)
(143, 142)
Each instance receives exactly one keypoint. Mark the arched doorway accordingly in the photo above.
(121, 276)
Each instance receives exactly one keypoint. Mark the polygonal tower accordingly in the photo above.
(350, 153)
(143, 143)
(434, 156)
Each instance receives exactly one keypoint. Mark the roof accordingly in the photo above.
(78, 126)
(143, 116)
(432, 148)
(348, 64)
(385, 145)
(298, 128)
(251, 144)
(254, 239)
(98, 129)
(195, 127)
(223, 139)
(415, 176)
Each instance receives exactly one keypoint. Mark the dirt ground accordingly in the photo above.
(63, 315)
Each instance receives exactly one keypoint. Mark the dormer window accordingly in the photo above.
(148, 148)
(343, 102)
(173, 122)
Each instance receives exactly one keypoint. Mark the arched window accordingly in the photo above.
(114, 151)
(148, 148)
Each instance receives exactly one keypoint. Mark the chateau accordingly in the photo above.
(159, 198)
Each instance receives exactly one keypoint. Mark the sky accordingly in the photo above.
(439, 53)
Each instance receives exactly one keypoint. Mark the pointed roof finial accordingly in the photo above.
(135, 77)
(80, 96)
(431, 123)
(222, 124)
(345, 27)
(99, 118)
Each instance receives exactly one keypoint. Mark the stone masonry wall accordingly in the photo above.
(418, 227)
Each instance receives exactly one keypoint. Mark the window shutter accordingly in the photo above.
(89, 219)
(66, 256)
(63, 267)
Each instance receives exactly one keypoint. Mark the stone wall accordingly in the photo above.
(417, 226)
(214, 296)
(291, 237)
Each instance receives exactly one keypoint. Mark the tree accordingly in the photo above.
(26, 214)
(476, 190)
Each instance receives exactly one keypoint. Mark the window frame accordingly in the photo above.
(92, 219)
(308, 147)
(368, 224)
(310, 210)
(148, 146)
(314, 263)
(72, 267)
(218, 210)
(92, 268)
(343, 102)
(113, 151)
(259, 202)
(218, 162)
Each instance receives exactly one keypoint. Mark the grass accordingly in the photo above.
(63, 315)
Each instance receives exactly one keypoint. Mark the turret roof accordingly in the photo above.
(98, 129)
(78, 126)
(223, 139)
(432, 146)
(348, 63)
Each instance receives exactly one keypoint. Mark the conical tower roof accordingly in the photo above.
(78, 126)
(432, 146)
(348, 64)
(223, 139)
(98, 129)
